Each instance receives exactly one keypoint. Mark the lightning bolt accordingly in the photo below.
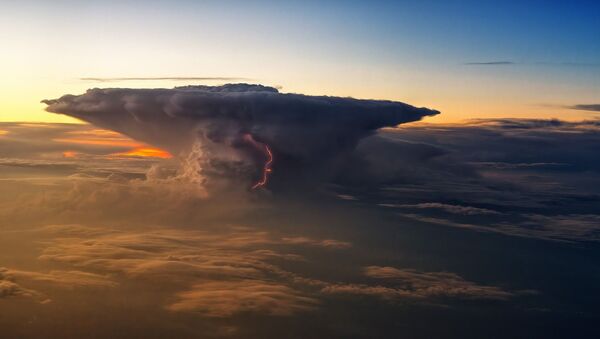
(267, 167)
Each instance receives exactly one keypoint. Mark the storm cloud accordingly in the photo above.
(227, 127)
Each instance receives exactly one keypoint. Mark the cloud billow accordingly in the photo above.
(307, 134)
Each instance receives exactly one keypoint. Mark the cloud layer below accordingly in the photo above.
(417, 229)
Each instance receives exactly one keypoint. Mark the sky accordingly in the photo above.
(299, 169)
(468, 59)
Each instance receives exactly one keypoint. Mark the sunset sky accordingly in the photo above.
(300, 169)
(468, 59)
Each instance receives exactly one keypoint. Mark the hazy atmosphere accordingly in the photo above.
(258, 169)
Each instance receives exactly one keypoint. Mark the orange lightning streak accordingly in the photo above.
(266, 169)
(69, 154)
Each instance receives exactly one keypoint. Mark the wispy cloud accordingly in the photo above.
(586, 107)
(489, 63)
(535, 63)
(569, 64)
(102, 79)
(409, 284)
(453, 209)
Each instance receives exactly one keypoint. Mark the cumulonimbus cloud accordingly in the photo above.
(228, 126)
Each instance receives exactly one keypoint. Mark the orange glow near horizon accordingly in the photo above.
(146, 151)
(100, 141)
(101, 137)
(69, 154)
